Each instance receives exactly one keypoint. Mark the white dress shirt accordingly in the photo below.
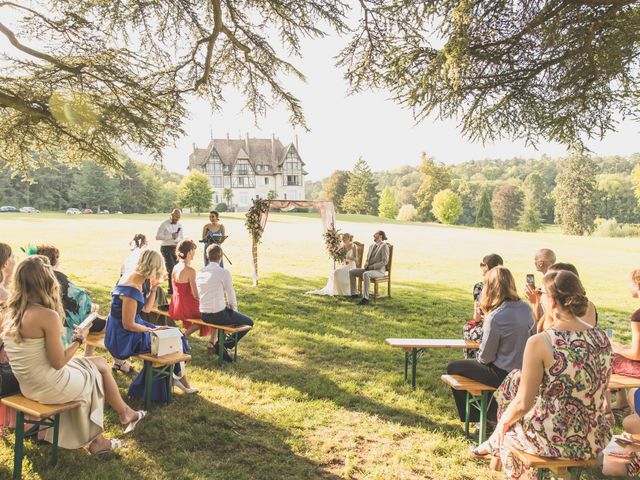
(213, 283)
(166, 231)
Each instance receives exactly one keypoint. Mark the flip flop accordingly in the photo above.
(131, 426)
(115, 444)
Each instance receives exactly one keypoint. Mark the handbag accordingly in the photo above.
(8, 382)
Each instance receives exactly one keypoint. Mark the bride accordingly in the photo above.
(341, 282)
(338, 282)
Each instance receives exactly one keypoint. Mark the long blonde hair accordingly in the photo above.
(5, 255)
(150, 264)
(34, 282)
(499, 286)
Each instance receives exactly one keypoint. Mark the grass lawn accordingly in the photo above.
(316, 393)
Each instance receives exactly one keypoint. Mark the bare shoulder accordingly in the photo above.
(38, 319)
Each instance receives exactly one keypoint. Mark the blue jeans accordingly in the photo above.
(227, 317)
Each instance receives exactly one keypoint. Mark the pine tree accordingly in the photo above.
(361, 196)
(484, 216)
(447, 206)
(575, 195)
(388, 206)
(531, 219)
(436, 177)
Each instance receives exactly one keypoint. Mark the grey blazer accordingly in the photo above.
(378, 256)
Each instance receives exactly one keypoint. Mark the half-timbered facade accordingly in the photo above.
(250, 167)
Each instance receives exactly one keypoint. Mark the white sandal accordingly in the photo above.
(131, 426)
(114, 444)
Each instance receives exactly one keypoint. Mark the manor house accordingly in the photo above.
(250, 167)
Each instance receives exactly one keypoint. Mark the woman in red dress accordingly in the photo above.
(184, 301)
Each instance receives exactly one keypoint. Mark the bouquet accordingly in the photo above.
(333, 241)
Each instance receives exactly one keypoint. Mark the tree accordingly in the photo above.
(534, 195)
(82, 77)
(408, 213)
(616, 198)
(447, 206)
(335, 188)
(93, 188)
(575, 195)
(484, 217)
(227, 195)
(195, 192)
(388, 205)
(361, 196)
(272, 195)
(535, 70)
(436, 177)
(506, 206)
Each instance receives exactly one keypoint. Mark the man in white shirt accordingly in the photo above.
(214, 283)
(170, 233)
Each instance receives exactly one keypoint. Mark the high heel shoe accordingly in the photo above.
(178, 383)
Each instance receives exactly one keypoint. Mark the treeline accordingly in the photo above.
(577, 192)
(139, 188)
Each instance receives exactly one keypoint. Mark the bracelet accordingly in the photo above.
(78, 340)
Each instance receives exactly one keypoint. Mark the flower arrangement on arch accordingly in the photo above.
(333, 242)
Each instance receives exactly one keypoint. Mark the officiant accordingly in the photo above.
(213, 234)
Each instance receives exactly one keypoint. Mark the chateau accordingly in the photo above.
(250, 167)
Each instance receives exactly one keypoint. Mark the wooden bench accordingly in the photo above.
(40, 415)
(157, 367)
(414, 348)
(557, 467)
(617, 382)
(225, 332)
(478, 396)
(376, 281)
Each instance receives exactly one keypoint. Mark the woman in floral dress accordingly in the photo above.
(557, 409)
(472, 330)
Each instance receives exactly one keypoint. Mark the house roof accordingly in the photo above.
(260, 151)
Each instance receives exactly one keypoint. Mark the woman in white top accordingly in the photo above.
(137, 246)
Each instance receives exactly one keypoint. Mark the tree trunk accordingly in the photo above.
(254, 252)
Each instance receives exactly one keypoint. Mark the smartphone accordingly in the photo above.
(531, 280)
(178, 230)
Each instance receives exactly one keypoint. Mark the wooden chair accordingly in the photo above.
(40, 415)
(360, 253)
(386, 278)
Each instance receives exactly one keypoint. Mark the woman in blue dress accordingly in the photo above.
(127, 334)
(212, 233)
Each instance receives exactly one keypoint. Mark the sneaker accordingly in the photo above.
(364, 301)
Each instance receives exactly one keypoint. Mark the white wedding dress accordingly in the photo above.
(339, 282)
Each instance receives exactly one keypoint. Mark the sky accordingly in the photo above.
(345, 127)
(368, 125)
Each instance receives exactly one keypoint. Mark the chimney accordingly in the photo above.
(273, 146)
(194, 147)
(296, 139)
(246, 143)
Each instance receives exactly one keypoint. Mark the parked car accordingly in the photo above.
(87, 211)
(118, 212)
(8, 208)
(29, 210)
(73, 211)
(104, 211)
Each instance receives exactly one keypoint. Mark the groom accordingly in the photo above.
(374, 267)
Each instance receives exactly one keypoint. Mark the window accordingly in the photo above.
(292, 169)
(292, 180)
(242, 168)
(217, 180)
(266, 180)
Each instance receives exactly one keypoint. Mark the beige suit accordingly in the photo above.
(374, 267)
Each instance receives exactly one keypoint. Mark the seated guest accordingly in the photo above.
(623, 460)
(7, 264)
(76, 301)
(626, 358)
(506, 330)
(374, 266)
(591, 317)
(542, 260)
(138, 245)
(49, 373)
(472, 330)
(557, 410)
(184, 301)
(214, 283)
(127, 334)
